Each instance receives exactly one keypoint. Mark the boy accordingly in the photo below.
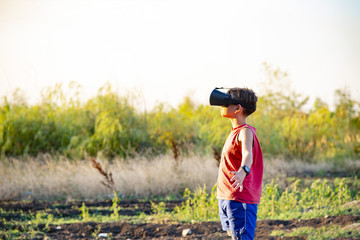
(241, 168)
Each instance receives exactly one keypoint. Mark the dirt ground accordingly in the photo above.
(205, 230)
(123, 230)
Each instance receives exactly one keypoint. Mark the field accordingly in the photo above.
(108, 167)
(299, 201)
(147, 230)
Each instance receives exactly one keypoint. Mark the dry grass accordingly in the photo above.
(47, 178)
(50, 178)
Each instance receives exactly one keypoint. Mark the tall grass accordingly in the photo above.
(111, 125)
(49, 177)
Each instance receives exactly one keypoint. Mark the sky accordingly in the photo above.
(166, 49)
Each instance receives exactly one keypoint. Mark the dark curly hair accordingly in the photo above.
(247, 96)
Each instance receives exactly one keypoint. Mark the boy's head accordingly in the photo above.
(246, 96)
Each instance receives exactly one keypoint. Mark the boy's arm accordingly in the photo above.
(246, 139)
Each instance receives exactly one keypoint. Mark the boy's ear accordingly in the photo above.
(240, 108)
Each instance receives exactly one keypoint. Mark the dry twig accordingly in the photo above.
(109, 181)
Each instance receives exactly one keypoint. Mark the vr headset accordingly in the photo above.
(218, 98)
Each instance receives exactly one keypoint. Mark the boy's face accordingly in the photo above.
(230, 111)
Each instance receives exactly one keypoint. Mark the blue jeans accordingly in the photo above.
(239, 218)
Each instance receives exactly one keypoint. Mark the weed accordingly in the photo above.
(321, 197)
(115, 206)
(109, 182)
(84, 212)
(158, 209)
(96, 232)
(198, 205)
(270, 197)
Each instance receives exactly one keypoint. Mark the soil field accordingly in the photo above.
(14, 211)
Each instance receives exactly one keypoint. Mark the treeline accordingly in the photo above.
(114, 125)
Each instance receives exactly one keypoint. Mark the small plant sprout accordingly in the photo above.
(115, 206)
(84, 212)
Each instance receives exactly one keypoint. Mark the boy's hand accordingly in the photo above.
(239, 179)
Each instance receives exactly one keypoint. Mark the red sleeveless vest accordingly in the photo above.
(231, 158)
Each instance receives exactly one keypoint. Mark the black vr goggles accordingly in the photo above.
(218, 98)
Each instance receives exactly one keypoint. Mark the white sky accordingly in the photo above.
(167, 49)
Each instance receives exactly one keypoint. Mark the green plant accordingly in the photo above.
(269, 199)
(115, 206)
(198, 205)
(158, 208)
(85, 216)
(321, 196)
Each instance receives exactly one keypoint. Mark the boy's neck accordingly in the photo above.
(236, 122)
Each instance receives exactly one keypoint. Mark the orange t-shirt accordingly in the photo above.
(231, 158)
